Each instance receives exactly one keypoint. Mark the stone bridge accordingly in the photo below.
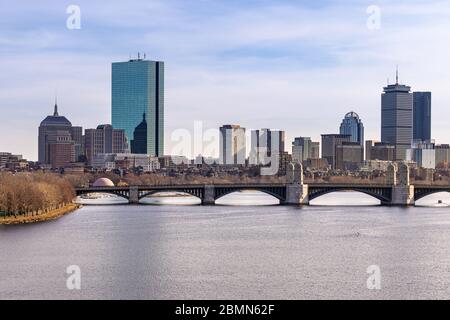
(397, 191)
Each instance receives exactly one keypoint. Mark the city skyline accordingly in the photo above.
(221, 83)
(351, 125)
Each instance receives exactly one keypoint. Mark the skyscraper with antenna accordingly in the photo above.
(397, 117)
(137, 89)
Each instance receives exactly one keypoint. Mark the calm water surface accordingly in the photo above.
(226, 251)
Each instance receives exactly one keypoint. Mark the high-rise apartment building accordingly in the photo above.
(137, 89)
(353, 126)
(232, 145)
(104, 140)
(422, 116)
(397, 118)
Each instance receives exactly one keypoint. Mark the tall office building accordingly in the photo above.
(137, 89)
(315, 150)
(104, 140)
(397, 118)
(301, 149)
(232, 145)
(264, 143)
(442, 156)
(422, 116)
(329, 144)
(77, 136)
(353, 126)
(60, 148)
(382, 151)
(422, 153)
(349, 155)
(57, 141)
(368, 149)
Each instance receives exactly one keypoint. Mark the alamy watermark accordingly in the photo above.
(374, 19)
(73, 281)
(73, 21)
(374, 280)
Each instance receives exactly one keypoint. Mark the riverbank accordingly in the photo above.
(51, 215)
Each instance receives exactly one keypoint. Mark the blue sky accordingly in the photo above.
(292, 65)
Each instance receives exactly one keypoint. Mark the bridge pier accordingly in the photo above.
(296, 194)
(402, 196)
(133, 195)
(402, 191)
(296, 190)
(209, 198)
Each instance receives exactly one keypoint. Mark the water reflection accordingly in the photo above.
(231, 252)
(345, 198)
(441, 199)
(248, 198)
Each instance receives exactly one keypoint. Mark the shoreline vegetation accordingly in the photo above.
(34, 197)
(40, 217)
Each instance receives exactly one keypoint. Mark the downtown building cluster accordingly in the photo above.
(405, 137)
(135, 137)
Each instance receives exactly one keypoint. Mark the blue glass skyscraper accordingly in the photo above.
(137, 89)
(353, 126)
(422, 116)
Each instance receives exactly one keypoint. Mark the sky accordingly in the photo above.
(298, 66)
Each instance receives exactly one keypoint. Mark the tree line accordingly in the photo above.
(33, 193)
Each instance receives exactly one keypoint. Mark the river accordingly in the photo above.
(246, 247)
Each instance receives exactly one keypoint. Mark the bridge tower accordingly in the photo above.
(391, 176)
(402, 190)
(296, 190)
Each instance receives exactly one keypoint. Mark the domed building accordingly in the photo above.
(59, 142)
(56, 120)
(103, 182)
(353, 126)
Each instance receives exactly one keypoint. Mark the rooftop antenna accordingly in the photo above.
(55, 112)
(387, 81)
(396, 76)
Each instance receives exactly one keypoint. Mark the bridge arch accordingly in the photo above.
(195, 192)
(384, 195)
(419, 194)
(278, 194)
(119, 193)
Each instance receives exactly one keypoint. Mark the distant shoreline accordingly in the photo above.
(52, 215)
